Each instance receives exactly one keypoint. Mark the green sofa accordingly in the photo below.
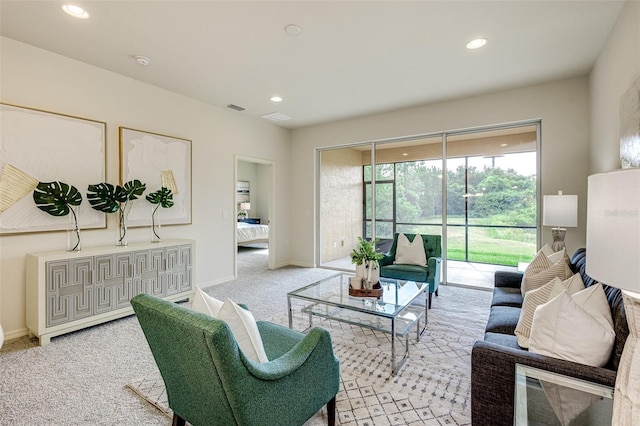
(210, 381)
(429, 274)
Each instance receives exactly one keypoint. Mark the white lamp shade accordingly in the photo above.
(560, 210)
(613, 228)
(245, 206)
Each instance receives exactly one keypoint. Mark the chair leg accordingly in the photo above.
(436, 292)
(331, 411)
(177, 420)
(429, 301)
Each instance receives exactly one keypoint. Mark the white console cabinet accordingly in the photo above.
(68, 291)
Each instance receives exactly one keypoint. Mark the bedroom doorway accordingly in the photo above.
(254, 247)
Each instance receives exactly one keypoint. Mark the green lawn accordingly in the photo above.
(500, 246)
(487, 245)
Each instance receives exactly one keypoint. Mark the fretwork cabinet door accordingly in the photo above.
(177, 273)
(147, 269)
(113, 284)
(69, 290)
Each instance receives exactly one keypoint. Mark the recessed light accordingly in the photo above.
(504, 144)
(75, 11)
(142, 60)
(292, 29)
(276, 99)
(477, 43)
(405, 154)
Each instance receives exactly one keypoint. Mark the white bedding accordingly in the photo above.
(249, 232)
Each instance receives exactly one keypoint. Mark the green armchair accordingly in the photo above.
(429, 274)
(209, 380)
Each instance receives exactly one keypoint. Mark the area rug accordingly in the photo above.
(432, 388)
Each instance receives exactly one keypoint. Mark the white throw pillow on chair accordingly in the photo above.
(410, 252)
(205, 304)
(245, 330)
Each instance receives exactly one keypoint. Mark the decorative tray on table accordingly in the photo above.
(376, 291)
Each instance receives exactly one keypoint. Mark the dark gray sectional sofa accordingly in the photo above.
(493, 359)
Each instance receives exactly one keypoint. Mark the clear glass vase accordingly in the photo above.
(73, 230)
(121, 229)
(155, 224)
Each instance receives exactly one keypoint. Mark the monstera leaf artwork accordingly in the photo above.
(108, 198)
(57, 199)
(161, 198)
(105, 197)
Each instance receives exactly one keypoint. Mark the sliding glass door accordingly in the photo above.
(489, 190)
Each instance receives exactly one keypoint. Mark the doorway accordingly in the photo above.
(254, 245)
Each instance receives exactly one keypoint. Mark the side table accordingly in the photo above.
(546, 398)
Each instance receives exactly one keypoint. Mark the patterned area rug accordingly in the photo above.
(432, 388)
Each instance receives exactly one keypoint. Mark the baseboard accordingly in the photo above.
(216, 281)
(14, 334)
(300, 264)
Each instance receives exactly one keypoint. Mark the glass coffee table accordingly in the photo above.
(549, 399)
(395, 312)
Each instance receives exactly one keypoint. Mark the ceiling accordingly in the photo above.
(352, 58)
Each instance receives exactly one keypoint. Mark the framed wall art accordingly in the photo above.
(40, 146)
(148, 157)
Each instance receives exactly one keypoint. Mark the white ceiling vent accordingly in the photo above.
(235, 107)
(277, 116)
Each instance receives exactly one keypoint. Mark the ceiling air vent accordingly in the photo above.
(235, 107)
(276, 116)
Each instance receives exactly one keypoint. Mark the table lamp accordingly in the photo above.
(613, 248)
(244, 207)
(559, 211)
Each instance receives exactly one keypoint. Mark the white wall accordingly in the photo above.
(36, 78)
(258, 175)
(562, 106)
(617, 67)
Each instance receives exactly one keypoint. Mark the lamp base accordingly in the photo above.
(626, 399)
(558, 238)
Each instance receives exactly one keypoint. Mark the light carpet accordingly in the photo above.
(432, 388)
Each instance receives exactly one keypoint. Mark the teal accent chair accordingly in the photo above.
(210, 381)
(429, 274)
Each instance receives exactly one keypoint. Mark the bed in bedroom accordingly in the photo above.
(249, 233)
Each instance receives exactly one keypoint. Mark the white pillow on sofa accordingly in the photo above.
(205, 304)
(539, 296)
(553, 331)
(562, 254)
(410, 252)
(244, 329)
(541, 270)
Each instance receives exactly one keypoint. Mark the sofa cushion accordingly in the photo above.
(508, 340)
(539, 296)
(614, 298)
(503, 319)
(540, 271)
(553, 332)
(507, 296)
